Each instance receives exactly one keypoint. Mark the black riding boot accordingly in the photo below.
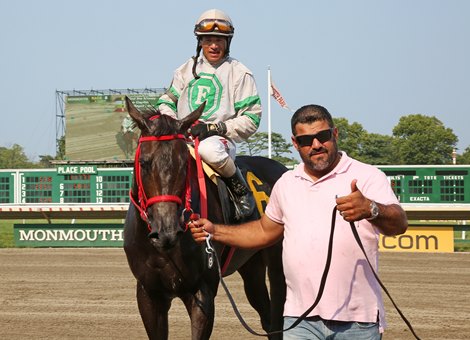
(242, 195)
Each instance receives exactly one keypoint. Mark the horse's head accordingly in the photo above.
(160, 171)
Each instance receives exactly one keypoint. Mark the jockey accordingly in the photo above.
(233, 107)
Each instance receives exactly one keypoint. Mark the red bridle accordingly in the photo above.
(143, 203)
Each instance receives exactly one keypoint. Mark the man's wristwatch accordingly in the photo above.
(374, 211)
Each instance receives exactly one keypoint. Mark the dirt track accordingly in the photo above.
(89, 294)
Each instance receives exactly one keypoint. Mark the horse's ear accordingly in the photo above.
(136, 115)
(186, 122)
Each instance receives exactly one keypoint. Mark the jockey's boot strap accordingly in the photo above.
(242, 196)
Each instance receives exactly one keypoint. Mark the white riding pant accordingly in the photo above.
(219, 153)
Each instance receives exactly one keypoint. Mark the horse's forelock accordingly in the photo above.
(150, 112)
(161, 124)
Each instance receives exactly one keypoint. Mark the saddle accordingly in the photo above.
(261, 191)
(225, 197)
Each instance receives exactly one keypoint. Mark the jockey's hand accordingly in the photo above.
(200, 229)
(203, 131)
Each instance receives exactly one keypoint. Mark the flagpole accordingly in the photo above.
(269, 111)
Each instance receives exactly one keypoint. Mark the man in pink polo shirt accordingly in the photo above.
(300, 209)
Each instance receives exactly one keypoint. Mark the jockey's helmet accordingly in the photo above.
(214, 22)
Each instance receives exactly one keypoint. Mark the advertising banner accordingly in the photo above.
(428, 239)
(416, 239)
(68, 235)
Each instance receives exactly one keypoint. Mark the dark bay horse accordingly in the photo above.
(165, 260)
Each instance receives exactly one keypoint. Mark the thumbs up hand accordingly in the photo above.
(355, 206)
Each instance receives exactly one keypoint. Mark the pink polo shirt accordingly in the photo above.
(305, 207)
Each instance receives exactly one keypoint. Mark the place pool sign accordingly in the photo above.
(68, 235)
(77, 170)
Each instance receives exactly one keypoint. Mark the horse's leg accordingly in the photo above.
(200, 307)
(154, 314)
(253, 273)
(277, 286)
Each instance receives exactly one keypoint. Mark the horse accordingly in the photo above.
(161, 252)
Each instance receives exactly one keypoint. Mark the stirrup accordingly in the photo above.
(244, 205)
(240, 194)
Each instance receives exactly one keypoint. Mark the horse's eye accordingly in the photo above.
(144, 162)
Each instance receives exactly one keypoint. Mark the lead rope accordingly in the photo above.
(201, 180)
(305, 314)
(358, 240)
(210, 249)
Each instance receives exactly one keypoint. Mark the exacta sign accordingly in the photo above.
(420, 239)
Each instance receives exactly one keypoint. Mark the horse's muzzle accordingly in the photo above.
(163, 239)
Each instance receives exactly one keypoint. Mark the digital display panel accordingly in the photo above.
(428, 184)
(72, 184)
(98, 127)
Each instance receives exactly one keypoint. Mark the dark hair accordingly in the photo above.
(309, 114)
(198, 52)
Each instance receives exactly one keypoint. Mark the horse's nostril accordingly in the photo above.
(153, 235)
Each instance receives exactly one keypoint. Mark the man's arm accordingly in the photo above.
(167, 103)
(255, 234)
(247, 108)
(390, 221)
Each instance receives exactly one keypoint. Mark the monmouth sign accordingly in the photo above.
(68, 235)
(418, 238)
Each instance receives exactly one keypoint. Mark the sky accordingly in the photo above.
(369, 61)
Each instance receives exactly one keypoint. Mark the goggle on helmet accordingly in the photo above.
(214, 22)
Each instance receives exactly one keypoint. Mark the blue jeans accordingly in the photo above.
(315, 328)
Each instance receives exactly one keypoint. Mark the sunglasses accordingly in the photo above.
(307, 140)
(209, 25)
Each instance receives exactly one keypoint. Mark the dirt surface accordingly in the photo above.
(89, 294)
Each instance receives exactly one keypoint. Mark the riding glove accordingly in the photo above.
(203, 131)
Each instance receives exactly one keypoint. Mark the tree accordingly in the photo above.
(376, 149)
(421, 139)
(257, 145)
(279, 145)
(45, 161)
(349, 136)
(60, 148)
(465, 157)
(254, 145)
(14, 158)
